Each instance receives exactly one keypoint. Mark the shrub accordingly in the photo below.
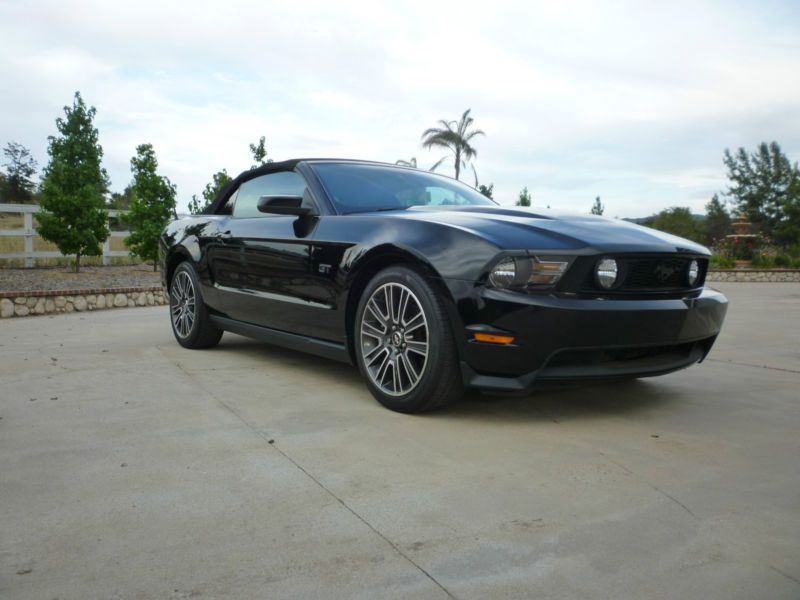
(763, 260)
(721, 262)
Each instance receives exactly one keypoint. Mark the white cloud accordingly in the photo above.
(632, 101)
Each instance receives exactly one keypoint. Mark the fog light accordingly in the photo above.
(693, 273)
(607, 272)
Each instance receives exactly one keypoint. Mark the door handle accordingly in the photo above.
(223, 235)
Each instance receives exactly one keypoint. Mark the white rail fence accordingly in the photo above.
(28, 232)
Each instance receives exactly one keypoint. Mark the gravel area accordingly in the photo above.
(61, 278)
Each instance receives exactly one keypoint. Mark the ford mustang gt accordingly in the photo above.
(429, 287)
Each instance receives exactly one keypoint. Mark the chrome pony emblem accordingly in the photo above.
(664, 271)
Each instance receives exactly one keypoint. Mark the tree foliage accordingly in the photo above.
(152, 204)
(524, 197)
(73, 213)
(598, 208)
(218, 180)
(718, 221)
(679, 221)
(456, 137)
(121, 200)
(259, 152)
(407, 163)
(487, 190)
(765, 187)
(17, 184)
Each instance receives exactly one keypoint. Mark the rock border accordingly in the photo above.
(755, 275)
(48, 302)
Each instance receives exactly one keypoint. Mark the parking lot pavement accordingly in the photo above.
(132, 468)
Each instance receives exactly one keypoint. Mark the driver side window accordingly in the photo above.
(286, 183)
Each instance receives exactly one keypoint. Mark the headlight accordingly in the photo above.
(693, 273)
(524, 270)
(607, 272)
(504, 273)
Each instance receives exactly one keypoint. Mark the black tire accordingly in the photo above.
(438, 379)
(189, 316)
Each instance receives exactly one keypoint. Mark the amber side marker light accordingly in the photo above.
(493, 339)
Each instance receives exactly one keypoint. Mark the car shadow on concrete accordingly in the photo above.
(563, 402)
(553, 401)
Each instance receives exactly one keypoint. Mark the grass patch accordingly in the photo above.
(11, 221)
(117, 244)
(40, 245)
(66, 261)
(12, 244)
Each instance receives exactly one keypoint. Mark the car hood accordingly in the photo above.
(523, 228)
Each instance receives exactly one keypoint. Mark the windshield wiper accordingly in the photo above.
(369, 210)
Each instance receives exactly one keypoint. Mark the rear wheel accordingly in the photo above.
(191, 323)
(404, 344)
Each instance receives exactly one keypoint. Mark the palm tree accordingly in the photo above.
(407, 163)
(456, 137)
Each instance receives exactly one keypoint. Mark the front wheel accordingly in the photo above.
(404, 344)
(191, 323)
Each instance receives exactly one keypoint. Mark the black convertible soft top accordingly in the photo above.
(284, 165)
(246, 176)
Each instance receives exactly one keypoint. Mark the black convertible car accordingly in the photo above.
(427, 286)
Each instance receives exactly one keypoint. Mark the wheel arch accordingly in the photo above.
(378, 259)
(178, 255)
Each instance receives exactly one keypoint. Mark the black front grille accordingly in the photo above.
(624, 362)
(638, 274)
(655, 273)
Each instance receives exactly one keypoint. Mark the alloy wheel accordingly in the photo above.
(394, 339)
(183, 305)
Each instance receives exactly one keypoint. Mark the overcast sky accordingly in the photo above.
(632, 101)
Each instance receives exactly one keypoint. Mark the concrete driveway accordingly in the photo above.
(132, 468)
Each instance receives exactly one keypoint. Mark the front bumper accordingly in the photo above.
(562, 338)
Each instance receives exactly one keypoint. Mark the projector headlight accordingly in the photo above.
(528, 271)
(693, 273)
(606, 273)
(504, 273)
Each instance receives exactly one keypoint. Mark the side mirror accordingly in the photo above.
(283, 205)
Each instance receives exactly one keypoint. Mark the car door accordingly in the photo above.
(263, 269)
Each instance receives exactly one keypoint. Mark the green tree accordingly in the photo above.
(597, 207)
(219, 179)
(259, 152)
(407, 163)
(679, 221)
(195, 205)
(487, 190)
(17, 184)
(152, 204)
(456, 137)
(718, 221)
(121, 201)
(73, 213)
(525, 198)
(765, 187)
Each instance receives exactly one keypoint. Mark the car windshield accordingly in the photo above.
(356, 188)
